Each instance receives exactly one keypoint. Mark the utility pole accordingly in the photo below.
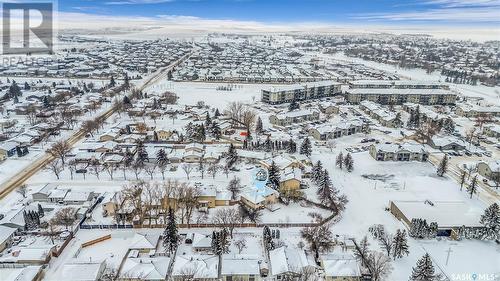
(448, 255)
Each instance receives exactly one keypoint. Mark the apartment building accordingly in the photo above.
(299, 92)
(294, 117)
(399, 92)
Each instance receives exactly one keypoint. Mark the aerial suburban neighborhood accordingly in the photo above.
(130, 154)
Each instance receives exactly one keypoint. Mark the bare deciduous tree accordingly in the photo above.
(227, 218)
(59, 150)
(240, 244)
(65, 217)
(23, 190)
(234, 187)
(150, 170)
(213, 169)
(56, 167)
(187, 168)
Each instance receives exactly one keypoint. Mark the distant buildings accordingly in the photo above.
(294, 117)
(399, 92)
(300, 92)
(471, 111)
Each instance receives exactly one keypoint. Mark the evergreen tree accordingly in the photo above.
(220, 242)
(208, 121)
(349, 162)
(27, 86)
(417, 117)
(398, 122)
(268, 239)
(293, 105)
(324, 191)
(142, 154)
(268, 146)
(317, 171)
(443, 166)
(215, 129)
(170, 235)
(305, 148)
(292, 146)
(400, 245)
(340, 160)
(14, 90)
(161, 157)
(232, 156)
(424, 271)
(473, 186)
(274, 176)
(258, 126)
(112, 82)
(46, 102)
(126, 81)
(449, 125)
(41, 213)
(491, 221)
(216, 113)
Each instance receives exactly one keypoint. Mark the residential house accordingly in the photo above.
(341, 269)
(288, 262)
(492, 131)
(6, 235)
(446, 143)
(197, 267)
(241, 267)
(336, 130)
(300, 92)
(8, 149)
(399, 152)
(294, 117)
(489, 170)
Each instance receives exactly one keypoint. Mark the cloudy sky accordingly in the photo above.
(444, 16)
(484, 12)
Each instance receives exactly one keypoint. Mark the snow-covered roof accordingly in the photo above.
(85, 271)
(301, 86)
(27, 273)
(5, 233)
(341, 268)
(258, 195)
(200, 266)
(79, 196)
(240, 265)
(444, 213)
(145, 268)
(398, 91)
(286, 259)
(295, 113)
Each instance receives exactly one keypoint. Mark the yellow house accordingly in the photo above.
(163, 134)
(223, 198)
(207, 197)
(290, 179)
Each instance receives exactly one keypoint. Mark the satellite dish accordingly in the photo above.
(261, 175)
